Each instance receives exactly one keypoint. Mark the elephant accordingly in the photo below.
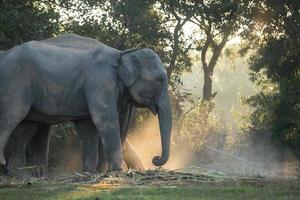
(79, 79)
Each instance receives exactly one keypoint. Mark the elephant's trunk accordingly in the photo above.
(165, 125)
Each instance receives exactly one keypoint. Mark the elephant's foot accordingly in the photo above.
(89, 170)
(18, 173)
(113, 174)
(115, 168)
(87, 173)
(17, 168)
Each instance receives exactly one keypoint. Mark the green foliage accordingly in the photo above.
(175, 15)
(25, 20)
(275, 68)
(221, 16)
(123, 24)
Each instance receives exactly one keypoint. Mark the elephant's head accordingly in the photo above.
(143, 75)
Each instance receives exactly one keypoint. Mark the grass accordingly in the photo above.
(207, 191)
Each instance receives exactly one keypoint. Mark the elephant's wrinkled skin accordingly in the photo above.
(77, 78)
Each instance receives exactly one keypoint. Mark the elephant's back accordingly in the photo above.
(60, 61)
(76, 42)
(58, 53)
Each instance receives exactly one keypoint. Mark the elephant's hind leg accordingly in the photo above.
(11, 114)
(16, 147)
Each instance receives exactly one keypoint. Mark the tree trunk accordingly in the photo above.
(207, 87)
(208, 69)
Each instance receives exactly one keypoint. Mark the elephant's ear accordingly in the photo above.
(130, 67)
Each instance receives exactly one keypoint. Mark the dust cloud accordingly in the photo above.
(147, 143)
(259, 159)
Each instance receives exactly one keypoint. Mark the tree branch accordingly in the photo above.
(217, 51)
(175, 46)
(203, 55)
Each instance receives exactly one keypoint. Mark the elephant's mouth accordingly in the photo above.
(149, 104)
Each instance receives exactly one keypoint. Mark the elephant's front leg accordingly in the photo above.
(102, 93)
(89, 138)
(107, 123)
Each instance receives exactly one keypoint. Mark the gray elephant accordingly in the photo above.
(75, 78)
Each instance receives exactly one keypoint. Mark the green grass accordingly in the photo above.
(273, 190)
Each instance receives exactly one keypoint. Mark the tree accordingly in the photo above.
(275, 68)
(125, 24)
(25, 20)
(175, 15)
(217, 22)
